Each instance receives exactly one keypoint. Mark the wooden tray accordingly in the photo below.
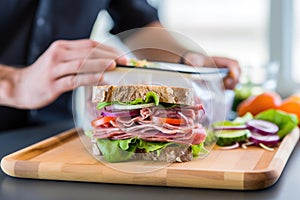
(64, 157)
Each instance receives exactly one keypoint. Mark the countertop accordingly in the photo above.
(287, 187)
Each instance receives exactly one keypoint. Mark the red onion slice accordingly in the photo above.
(268, 140)
(245, 145)
(262, 127)
(234, 146)
(266, 147)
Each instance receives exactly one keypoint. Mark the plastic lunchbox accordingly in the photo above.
(206, 86)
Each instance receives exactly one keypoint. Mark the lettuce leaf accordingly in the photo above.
(197, 149)
(101, 105)
(151, 97)
(89, 133)
(286, 122)
(136, 101)
(116, 150)
(123, 150)
(151, 146)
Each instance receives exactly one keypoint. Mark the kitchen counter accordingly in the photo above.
(287, 187)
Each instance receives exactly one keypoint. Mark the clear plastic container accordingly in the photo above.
(206, 87)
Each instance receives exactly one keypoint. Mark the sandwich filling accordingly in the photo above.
(145, 126)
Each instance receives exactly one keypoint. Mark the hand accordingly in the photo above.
(232, 78)
(64, 66)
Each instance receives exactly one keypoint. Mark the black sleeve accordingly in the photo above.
(131, 14)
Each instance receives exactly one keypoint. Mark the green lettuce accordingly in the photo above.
(89, 133)
(123, 150)
(151, 146)
(136, 101)
(151, 97)
(116, 150)
(197, 149)
(101, 105)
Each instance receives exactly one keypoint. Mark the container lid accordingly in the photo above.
(179, 68)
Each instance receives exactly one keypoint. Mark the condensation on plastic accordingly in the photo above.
(207, 90)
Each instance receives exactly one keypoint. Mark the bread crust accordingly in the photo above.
(126, 93)
(168, 154)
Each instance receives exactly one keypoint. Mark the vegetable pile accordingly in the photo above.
(269, 100)
(266, 129)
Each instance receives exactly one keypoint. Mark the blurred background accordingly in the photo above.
(263, 35)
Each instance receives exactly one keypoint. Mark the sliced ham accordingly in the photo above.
(192, 136)
(127, 121)
(145, 113)
(142, 127)
(111, 134)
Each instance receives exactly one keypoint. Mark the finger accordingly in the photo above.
(123, 60)
(75, 44)
(107, 48)
(66, 55)
(88, 53)
(88, 66)
(113, 53)
(63, 51)
(106, 53)
(68, 83)
(87, 43)
(233, 75)
(227, 63)
(230, 80)
(229, 83)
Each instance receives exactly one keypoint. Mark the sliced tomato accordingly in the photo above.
(101, 121)
(198, 138)
(174, 121)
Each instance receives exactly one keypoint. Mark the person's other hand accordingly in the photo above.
(230, 80)
(64, 66)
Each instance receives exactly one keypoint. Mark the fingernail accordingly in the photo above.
(122, 60)
(111, 65)
(228, 83)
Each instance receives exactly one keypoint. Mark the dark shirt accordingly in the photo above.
(28, 27)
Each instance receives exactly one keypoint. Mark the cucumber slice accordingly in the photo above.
(229, 137)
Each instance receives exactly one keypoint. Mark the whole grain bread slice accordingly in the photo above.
(126, 93)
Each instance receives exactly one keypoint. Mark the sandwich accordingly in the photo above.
(146, 122)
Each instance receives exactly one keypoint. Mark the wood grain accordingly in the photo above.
(64, 157)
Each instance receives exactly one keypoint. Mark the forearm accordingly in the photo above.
(157, 44)
(8, 80)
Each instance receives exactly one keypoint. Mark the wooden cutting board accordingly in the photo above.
(64, 157)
